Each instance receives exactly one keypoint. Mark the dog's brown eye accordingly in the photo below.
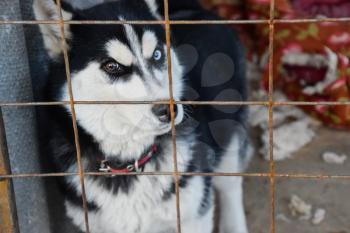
(113, 67)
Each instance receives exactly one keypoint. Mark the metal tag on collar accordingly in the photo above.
(130, 168)
(137, 168)
(104, 167)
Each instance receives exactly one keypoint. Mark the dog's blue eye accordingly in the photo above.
(157, 55)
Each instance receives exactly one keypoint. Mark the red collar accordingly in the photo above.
(131, 167)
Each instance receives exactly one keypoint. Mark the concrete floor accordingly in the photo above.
(331, 194)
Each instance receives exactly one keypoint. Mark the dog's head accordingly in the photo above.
(116, 62)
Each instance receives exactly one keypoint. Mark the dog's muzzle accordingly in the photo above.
(163, 113)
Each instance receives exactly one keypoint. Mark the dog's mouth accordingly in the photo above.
(307, 69)
(328, 8)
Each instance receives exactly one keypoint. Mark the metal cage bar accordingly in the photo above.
(270, 117)
(170, 173)
(214, 103)
(172, 22)
(172, 114)
(74, 120)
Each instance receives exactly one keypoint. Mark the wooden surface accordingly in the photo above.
(8, 216)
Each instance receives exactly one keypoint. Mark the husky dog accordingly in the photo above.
(128, 62)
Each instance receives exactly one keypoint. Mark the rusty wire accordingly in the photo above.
(74, 120)
(176, 22)
(270, 117)
(172, 114)
(171, 173)
(270, 103)
(202, 103)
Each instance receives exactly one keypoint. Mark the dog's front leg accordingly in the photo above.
(230, 191)
(202, 224)
(232, 216)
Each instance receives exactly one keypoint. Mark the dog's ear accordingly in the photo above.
(47, 10)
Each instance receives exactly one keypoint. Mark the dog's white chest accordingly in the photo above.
(135, 211)
(142, 210)
(146, 207)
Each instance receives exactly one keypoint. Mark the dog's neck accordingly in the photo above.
(136, 165)
(126, 148)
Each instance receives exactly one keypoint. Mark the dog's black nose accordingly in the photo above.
(163, 112)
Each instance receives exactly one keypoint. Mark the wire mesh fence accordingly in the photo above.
(167, 22)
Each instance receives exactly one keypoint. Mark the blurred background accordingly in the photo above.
(311, 63)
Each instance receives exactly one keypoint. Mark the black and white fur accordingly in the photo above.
(209, 138)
